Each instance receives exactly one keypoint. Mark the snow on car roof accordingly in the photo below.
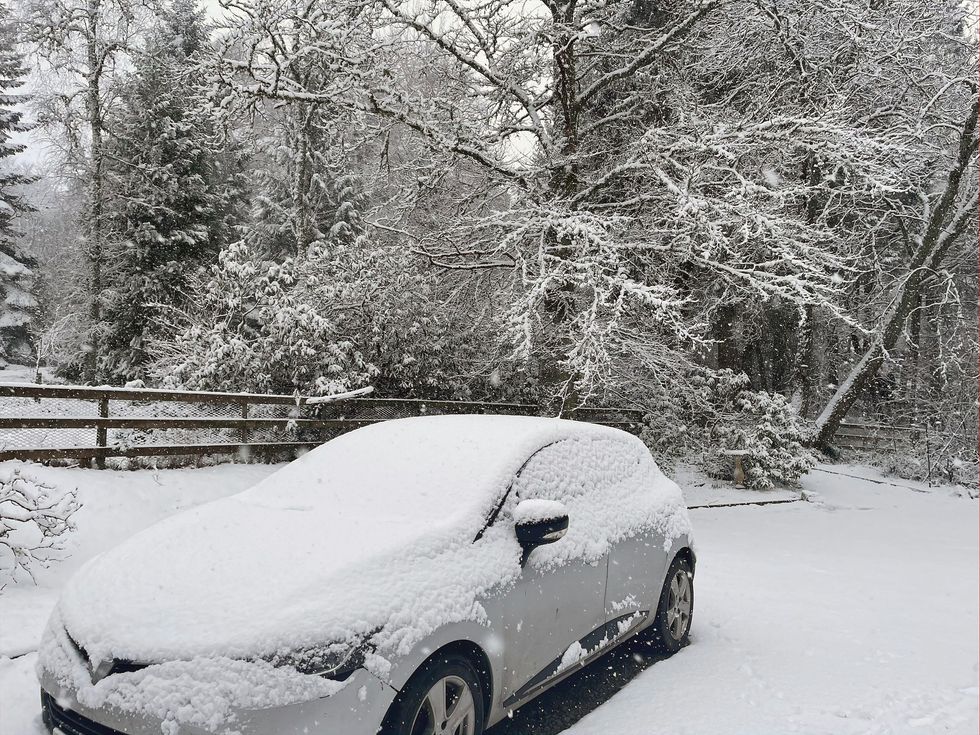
(436, 470)
(329, 546)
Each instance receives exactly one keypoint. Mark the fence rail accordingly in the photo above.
(47, 422)
(856, 435)
(40, 422)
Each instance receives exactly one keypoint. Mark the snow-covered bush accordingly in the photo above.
(936, 465)
(335, 318)
(678, 422)
(416, 344)
(252, 329)
(34, 521)
(772, 436)
(716, 413)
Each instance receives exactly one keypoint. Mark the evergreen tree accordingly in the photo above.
(174, 186)
(17, 278)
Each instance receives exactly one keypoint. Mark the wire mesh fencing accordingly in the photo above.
(47, 423)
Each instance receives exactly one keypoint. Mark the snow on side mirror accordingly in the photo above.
(539, 522)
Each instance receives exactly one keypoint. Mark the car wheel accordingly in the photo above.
(672, 626)
(444, 697)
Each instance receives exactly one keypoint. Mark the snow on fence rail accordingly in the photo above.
(46, 422)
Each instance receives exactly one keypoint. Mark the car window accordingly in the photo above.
(601, 481)
(575, 469)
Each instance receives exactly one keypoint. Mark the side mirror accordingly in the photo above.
(537, 523)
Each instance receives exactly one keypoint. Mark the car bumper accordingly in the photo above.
(357, 709)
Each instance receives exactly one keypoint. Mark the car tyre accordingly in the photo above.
(671, 628)
(444, 696)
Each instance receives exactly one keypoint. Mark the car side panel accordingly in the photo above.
(637, 568)
(558, 607)
(485, 636)
(527, 625)
(636, 571)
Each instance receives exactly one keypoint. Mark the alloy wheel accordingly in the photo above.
(447, 709)
(679, 605)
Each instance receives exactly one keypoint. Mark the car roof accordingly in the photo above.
(433, 468)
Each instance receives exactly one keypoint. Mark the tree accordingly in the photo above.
(172, 186)
(945, 214)
(620, 189)
(254, 327)
(84, 44)
(338, 317)
(305, 183)
(906, 243)
(17, 276)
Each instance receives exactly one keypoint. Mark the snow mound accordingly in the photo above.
(535, 510)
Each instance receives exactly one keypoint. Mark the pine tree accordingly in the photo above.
(173, 185)
(17, 278)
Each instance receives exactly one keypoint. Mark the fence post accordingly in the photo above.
(101, 434)
(243, 434)
(928, 457)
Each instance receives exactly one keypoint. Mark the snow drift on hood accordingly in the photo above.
(372, 530)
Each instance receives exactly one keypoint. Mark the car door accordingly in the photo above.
(637, 564)
(560, 597)
(636, 568)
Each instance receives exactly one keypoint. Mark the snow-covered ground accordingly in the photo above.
(853, 612)
(24, 374)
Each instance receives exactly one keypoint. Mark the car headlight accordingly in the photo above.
(331, 661)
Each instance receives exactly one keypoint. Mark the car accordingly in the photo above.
(415, 576)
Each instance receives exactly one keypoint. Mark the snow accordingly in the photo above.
(114, 506)
(535, 510)
(11, 268)
(573, 654)
(855, 612)
(19, 374)
(612, 490)
(200, 692)
(345, 543)
(701, 490)
(334, 397)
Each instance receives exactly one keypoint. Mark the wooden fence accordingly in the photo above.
(855, 435)
(47, 422)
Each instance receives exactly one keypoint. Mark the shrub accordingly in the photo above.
(773, 437)
(34, 521)
(716, 412)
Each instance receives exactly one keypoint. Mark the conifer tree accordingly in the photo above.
(17, 277)
(173, 186)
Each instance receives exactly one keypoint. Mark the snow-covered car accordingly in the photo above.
(418, 576)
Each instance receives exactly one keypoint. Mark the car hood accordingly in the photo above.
(235, 579)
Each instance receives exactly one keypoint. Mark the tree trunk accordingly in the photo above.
(724, 336)
(945, 223)
(913, 357)
(96, 248)
(807, 362)
(558, 303)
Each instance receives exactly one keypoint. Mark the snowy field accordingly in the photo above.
(852, 611)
